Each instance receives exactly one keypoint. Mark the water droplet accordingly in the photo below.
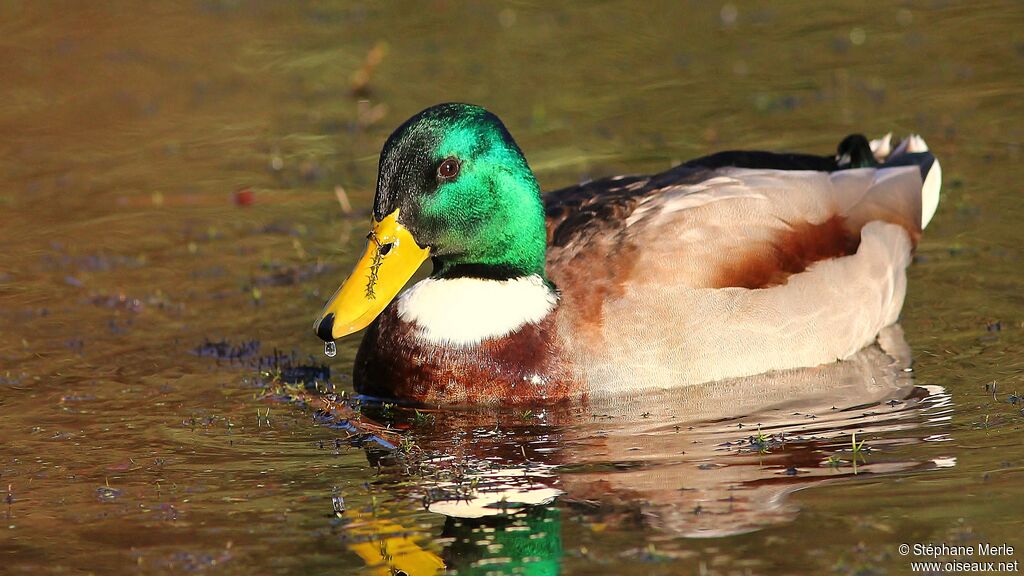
(330, 349)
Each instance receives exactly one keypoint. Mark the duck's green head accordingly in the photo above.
(453, 186)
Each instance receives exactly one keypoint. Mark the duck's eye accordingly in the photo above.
(448, 169)
(385, 248)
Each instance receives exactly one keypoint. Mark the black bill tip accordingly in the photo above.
(325, 330)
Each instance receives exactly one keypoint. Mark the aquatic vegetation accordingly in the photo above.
(282, 368)
(857, 449)
(406, 445)
(263, 419)
(763, 443)
(760, 441)
(422, 418)
(224, 350)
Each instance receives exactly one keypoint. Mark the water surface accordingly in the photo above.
(135, 137)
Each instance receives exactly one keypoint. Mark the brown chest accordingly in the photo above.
(523, 367)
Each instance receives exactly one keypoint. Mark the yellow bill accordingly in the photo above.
(387, 550)
(391, 258)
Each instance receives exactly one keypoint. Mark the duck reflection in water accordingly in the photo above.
(701, 461)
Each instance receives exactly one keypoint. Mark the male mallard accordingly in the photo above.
(729, 265)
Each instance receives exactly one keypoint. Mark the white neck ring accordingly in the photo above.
(463, 312)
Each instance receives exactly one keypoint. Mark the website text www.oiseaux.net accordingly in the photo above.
(967, 559)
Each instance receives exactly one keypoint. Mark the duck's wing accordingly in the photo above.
(602, 205)
(751, 247)
(736, 218)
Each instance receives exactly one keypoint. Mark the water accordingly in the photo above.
(330, 349)
(172, 221)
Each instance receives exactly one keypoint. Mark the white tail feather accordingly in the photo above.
(913, 144)
(882, 147)
(916, 144)
(930, 193)
(910, 145)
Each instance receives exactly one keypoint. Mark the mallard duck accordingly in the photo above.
(729, 265)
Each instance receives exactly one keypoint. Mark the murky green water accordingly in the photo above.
(128, 129)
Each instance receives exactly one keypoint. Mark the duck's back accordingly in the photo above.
(735, 264)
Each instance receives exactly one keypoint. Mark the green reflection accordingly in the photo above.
(529, 542)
